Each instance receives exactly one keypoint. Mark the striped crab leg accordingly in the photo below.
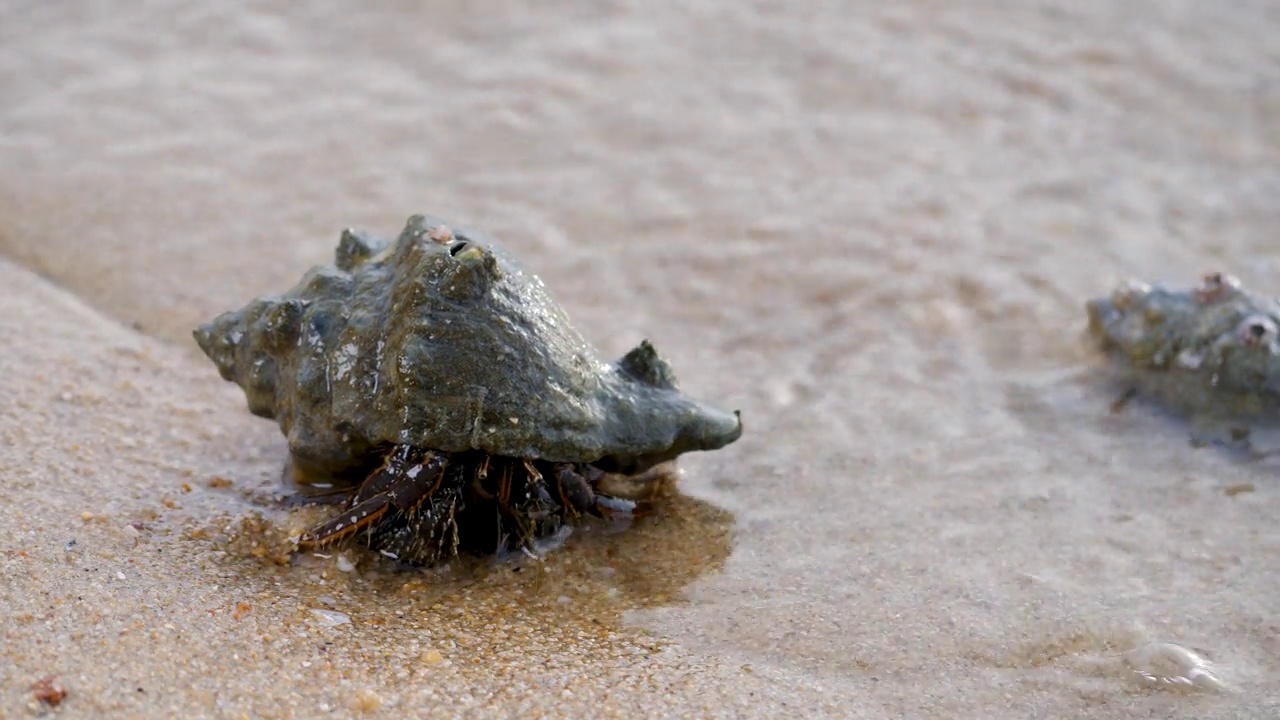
(403, 482)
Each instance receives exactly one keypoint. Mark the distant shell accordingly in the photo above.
(441, 339)
(1211, 348)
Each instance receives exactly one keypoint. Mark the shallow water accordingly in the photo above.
(872, 229)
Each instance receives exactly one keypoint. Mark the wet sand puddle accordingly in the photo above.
(511, 612)
(379, 635)
(594, 569)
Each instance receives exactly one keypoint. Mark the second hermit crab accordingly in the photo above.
(433, 386)
(1211, 352)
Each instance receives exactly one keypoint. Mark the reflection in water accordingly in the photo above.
(515, 618)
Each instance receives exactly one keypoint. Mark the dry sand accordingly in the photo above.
(872, 229)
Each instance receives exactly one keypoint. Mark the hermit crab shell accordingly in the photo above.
(1212, 348)
(440, 339)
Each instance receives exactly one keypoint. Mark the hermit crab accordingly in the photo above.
(1211, 351)
(433, 388)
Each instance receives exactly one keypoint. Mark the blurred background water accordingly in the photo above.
(870, 226)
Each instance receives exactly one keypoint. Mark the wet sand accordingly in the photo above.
(873, 230)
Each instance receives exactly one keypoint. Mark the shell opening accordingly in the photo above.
(1257, 330)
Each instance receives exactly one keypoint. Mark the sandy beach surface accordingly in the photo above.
(872, 227)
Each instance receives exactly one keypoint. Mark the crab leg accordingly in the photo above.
(418, 483)
(504, 487)
(384, 478)
(479, 476)
(574, 490)
(532, 470)
(361, 515)
(395, 484)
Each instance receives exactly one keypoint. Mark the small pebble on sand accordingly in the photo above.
(331, 618)
(49, 690)
(364, 701)
(1172, 666)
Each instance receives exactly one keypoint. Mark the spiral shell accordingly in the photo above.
(440, 339)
